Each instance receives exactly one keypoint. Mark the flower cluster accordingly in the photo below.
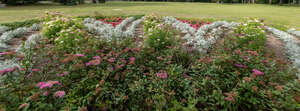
(197, 38)
(107, 31)
(201, 42)
(47, 84)
(162, 74)
(179, 25)
(29, 43)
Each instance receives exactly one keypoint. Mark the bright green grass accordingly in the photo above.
(273, 14)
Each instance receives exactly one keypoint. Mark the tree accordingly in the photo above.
(217, 1)
(270, 1)
(18, 2)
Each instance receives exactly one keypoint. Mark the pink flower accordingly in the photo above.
(59, 94)
(48, 84)
(7, 70)
(264, 61)
(240, 66)
(46, 93)
(229, 98)
(88, 64)
(237, 51)
(79, 55)
(162, 74)
(132, 59)
(160, 58)
(94, 62)
(64, 73)
(96, 57)
(111, 60)
(35, 70)
(257, 72)
(4, 53)
(28, 75)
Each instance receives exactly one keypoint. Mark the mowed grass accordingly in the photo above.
(273, 14)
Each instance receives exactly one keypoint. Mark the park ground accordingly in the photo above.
(273, 14)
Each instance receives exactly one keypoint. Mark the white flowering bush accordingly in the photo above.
(107, 31)
(294, 32)
(197, 38)
(131, 29)
(291, 46)
(35, 27)
(3, 29)
(5, 37)
(200, 42)
(99, 28)
(30, 42)
(183, 27)
(118, 30)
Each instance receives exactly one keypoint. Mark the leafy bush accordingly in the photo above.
(161, 38)
(251, 33)
(54, 23)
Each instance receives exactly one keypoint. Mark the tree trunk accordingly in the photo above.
(218, 1)
(280, 2)
(299, 2)
(94, 1)
(270, 2)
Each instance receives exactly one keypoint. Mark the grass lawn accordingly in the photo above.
(285, 15)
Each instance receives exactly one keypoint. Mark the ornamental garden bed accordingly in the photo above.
(147, 63)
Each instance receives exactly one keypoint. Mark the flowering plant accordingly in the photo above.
(249, 31)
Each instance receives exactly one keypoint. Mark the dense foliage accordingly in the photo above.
(16, 2)
(77, 70)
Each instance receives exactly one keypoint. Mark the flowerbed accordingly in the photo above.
(79, 68)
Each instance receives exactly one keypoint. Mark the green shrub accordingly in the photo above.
(161, 38)
(251, 33)
(54, 23)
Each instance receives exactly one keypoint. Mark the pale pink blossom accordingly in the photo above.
(162, 74)
(79, 55)
(46, 93)
(59, 94)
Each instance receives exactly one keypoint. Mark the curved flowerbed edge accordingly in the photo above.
(291, 46)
